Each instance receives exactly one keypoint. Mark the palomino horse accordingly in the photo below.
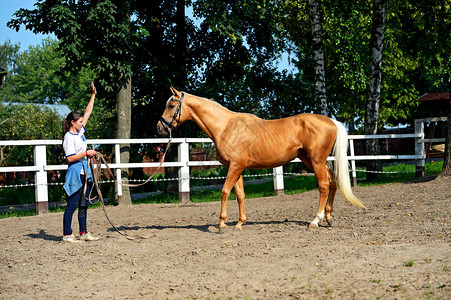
(244, 141)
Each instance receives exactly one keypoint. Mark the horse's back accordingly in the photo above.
(306, 125)
(268, 143)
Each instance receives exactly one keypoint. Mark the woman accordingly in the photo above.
(75, 148)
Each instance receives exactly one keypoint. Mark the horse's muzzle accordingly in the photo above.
(162, 130)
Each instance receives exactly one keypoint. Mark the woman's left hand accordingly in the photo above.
(94, 90)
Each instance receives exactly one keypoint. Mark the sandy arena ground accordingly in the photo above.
(400, 248)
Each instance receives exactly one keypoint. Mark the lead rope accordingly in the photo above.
(96, 176)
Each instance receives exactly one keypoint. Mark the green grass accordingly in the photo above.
(400, 173)
(409, 263)
(26, 212)
(18, 213)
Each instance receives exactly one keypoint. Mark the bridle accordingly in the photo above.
(168, 126)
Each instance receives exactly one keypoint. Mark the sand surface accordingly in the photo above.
(400, 248)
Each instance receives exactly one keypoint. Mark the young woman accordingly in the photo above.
(75, 148)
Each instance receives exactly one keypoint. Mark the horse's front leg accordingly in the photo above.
(232, 176)
(239, 191)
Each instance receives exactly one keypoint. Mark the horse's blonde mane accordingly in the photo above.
(209, 99)
(169, 100)
(212, 101)
(215, 103)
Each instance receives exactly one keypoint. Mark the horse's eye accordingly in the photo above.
(171, 106)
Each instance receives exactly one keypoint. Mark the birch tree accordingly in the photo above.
(318, 57)
(374, 87)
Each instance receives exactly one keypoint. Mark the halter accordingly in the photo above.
(178, 113)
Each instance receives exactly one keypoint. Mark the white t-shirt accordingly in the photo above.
(75, 143)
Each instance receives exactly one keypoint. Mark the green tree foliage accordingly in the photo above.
(347, 27)
(90, 33)
(232, 47)
(245, 41)
(421, 31)
(8, 54)
(416, 36)
(230, 52)
(37, 75)
(27, 122)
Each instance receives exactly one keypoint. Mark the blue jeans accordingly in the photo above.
(77, 200)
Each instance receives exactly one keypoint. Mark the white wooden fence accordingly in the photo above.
(41, 168)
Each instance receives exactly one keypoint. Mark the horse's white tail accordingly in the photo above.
(341, 165)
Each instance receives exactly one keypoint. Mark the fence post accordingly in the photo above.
(278, 181)
(41, 189)
(352, 153)
(419, 148)
(117, 154)
(184, 191)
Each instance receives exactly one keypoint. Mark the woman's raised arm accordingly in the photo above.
(90, 106)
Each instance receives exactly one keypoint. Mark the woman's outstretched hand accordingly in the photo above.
(94, 90)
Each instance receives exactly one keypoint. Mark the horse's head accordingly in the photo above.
(172, 116)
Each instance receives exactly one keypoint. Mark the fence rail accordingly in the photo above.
(184, 163)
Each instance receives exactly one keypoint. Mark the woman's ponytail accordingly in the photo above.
(66, 127)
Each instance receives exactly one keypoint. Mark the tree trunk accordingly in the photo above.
(374, 87)
(446, 171)
(124, 113)
(124, 110)
(317, 45)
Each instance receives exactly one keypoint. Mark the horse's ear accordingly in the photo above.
(175, 92)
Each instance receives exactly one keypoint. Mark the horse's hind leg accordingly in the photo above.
(322, 177)
(330, 198)
(323, 186)
(239, 191)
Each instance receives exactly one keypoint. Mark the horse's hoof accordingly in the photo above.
(313, 226)
(238, 227)
(222, 229)
(329, 222)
